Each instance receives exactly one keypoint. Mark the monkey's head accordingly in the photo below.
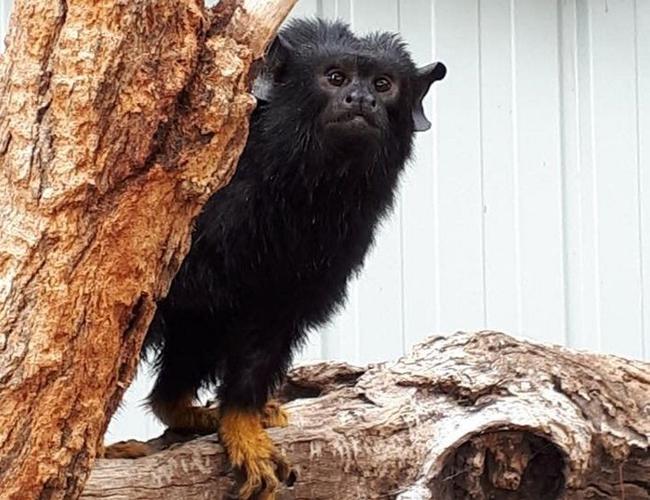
(335, 87)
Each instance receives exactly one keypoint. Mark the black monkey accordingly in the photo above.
(272, 251)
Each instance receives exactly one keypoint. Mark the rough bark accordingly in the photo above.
(471, 416)
(117, 120)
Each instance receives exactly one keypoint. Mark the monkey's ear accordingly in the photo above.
(276, 57)
(424, 78)
(279, 51)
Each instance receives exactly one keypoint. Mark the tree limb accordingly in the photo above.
(469, 416)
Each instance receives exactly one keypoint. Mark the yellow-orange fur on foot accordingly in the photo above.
(127, 449)
(251, 450)
(183, 415)
(273, 415)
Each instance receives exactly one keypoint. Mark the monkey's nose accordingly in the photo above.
(357, 99)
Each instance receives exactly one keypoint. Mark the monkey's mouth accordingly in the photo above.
(356, 120)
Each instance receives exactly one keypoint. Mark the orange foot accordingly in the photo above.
(251, 450)
(182, 415)
(273, 415)
(127, 449)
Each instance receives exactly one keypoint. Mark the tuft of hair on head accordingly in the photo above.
(388, 46)
(300, 38)
(313, 33)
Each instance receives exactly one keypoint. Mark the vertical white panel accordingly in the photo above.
(5, 12)
(615, 155)
(304, 8)
(570, 170)
(579, 225)
(379, 306)
(374, 15)
(336, 9)
(538, 181)
(458, 176)
(582, 221)
(132, 420)
(418, 192)
(501, 277)
(642, 32)
(312, 350)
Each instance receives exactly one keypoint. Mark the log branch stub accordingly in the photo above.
(475, 416)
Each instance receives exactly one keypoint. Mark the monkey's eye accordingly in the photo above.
(383, 84)
(336, 77)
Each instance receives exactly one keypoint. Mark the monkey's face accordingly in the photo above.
(358, 97)
(326, 87)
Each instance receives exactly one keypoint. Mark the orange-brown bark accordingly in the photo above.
(117, 121)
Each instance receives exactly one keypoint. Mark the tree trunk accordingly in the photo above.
(117, 121)
(471, 416)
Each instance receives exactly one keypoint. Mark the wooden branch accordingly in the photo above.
(473, 416)
(117, 121)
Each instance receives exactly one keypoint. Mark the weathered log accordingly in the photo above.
(471, 416)
(117, 121)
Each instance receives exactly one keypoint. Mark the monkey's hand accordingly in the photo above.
(251, 451)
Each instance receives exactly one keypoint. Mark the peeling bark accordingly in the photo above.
(471, 416)
(117, 121)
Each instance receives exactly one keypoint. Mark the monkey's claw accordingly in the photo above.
(252, 452)
(262, 478)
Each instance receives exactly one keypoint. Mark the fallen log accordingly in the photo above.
(475, 416)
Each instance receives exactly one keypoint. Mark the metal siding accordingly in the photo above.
(527, 205)
(458, 182)
(579, 293)
(615, 148)
(498, 168)
(418, 194)
(585, 281)
(642, 48)
(538, 205)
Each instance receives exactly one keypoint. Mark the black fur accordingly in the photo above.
(272, 251)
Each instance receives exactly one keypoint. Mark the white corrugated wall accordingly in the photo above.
(527, 208)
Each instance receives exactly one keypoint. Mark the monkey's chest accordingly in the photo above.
(305, 244)
(314, 252)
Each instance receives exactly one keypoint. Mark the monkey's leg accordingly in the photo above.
(251, 450)
(182, 415)
(185, 363)
(181, 371)
(245, 410)
(185, 416)
(179, 415)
